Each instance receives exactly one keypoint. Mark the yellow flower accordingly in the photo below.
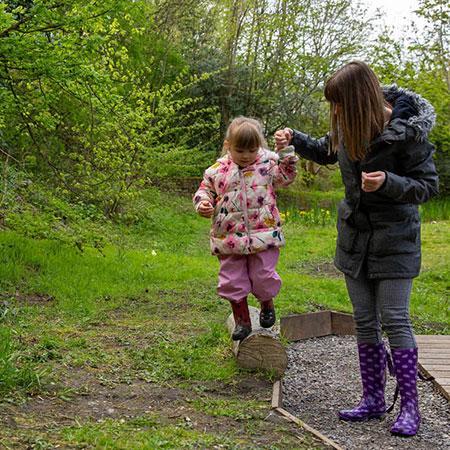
(269, 222)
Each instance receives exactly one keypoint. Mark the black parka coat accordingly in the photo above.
(381, 230)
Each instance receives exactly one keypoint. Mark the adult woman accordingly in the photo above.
(379, 137)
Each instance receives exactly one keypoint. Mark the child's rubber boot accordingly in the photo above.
(267, 314)
(243, 325)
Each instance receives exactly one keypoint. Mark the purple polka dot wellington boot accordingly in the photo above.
(405, 367)
(372, 364)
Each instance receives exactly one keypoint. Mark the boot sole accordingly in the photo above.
(397, 433)
(240, 337)
(394, 433)
(363, 419)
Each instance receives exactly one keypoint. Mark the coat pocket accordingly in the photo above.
(346, 233)
(392, 238)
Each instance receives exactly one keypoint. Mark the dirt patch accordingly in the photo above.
(84, 396)
(27, 299)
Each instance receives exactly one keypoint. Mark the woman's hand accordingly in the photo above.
(283, 138)
(372, 181)
(205, 209)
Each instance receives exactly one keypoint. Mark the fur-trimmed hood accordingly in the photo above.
(410, 109)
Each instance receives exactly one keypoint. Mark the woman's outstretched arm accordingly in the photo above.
(316, 150)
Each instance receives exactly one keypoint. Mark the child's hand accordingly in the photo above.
(283, 138)
(205, 209)
(372, 181)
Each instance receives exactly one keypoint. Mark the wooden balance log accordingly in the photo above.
(261, 349)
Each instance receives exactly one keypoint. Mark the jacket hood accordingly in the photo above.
(262, 153)
(410, 109)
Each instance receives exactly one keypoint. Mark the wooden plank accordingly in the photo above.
(307, 427)
(442, 380)
(304, 326)
(433, 338)
(434, 351)
(342, 324)
(277, 395)
(434, 359)
(438, 367)
(440, 345)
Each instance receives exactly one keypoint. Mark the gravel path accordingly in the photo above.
(323, 377)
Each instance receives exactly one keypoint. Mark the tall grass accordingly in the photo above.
(320, 208)
(14, 372)
(313, 216)
(436, 209)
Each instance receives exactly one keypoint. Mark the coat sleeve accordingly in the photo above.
(285, 171)
(316, 150)
(206, 191)
(417, 179)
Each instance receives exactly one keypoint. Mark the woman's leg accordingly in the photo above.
(393, 300)
(394, 296)
(371, 352)
(365, 310)
(266, 283)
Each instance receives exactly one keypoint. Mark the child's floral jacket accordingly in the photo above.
(246, 219)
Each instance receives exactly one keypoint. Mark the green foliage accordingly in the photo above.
(187, 359)
(14, 373)
(79, 110)
(147, 432)
(33, 210)
(435, 210)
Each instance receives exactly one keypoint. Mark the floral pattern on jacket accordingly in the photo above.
(246, 218)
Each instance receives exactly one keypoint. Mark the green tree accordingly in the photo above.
(92, 99)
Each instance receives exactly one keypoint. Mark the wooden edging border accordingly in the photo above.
(277, 403)
(321, 323)
(441, 389)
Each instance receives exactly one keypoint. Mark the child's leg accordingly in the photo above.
(234, 285)
(266, 283)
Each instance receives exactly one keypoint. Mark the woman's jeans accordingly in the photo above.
(381, 304)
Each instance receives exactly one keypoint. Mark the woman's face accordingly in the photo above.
(243, 157)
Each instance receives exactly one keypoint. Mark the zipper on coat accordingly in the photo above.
(244, 199)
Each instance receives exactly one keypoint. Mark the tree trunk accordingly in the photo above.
(261, 349)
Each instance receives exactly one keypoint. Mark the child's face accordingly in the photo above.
(243, 157)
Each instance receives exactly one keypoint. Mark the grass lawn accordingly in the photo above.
(127, 348)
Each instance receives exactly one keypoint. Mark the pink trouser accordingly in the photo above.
(240, 275)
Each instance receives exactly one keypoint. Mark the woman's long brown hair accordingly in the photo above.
(356, 92)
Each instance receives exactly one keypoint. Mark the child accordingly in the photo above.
(238, 192)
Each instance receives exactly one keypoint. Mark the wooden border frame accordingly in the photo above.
(296, 327)
(316, 324)
(277, 403)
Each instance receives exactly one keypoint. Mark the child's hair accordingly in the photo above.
(245, 133)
